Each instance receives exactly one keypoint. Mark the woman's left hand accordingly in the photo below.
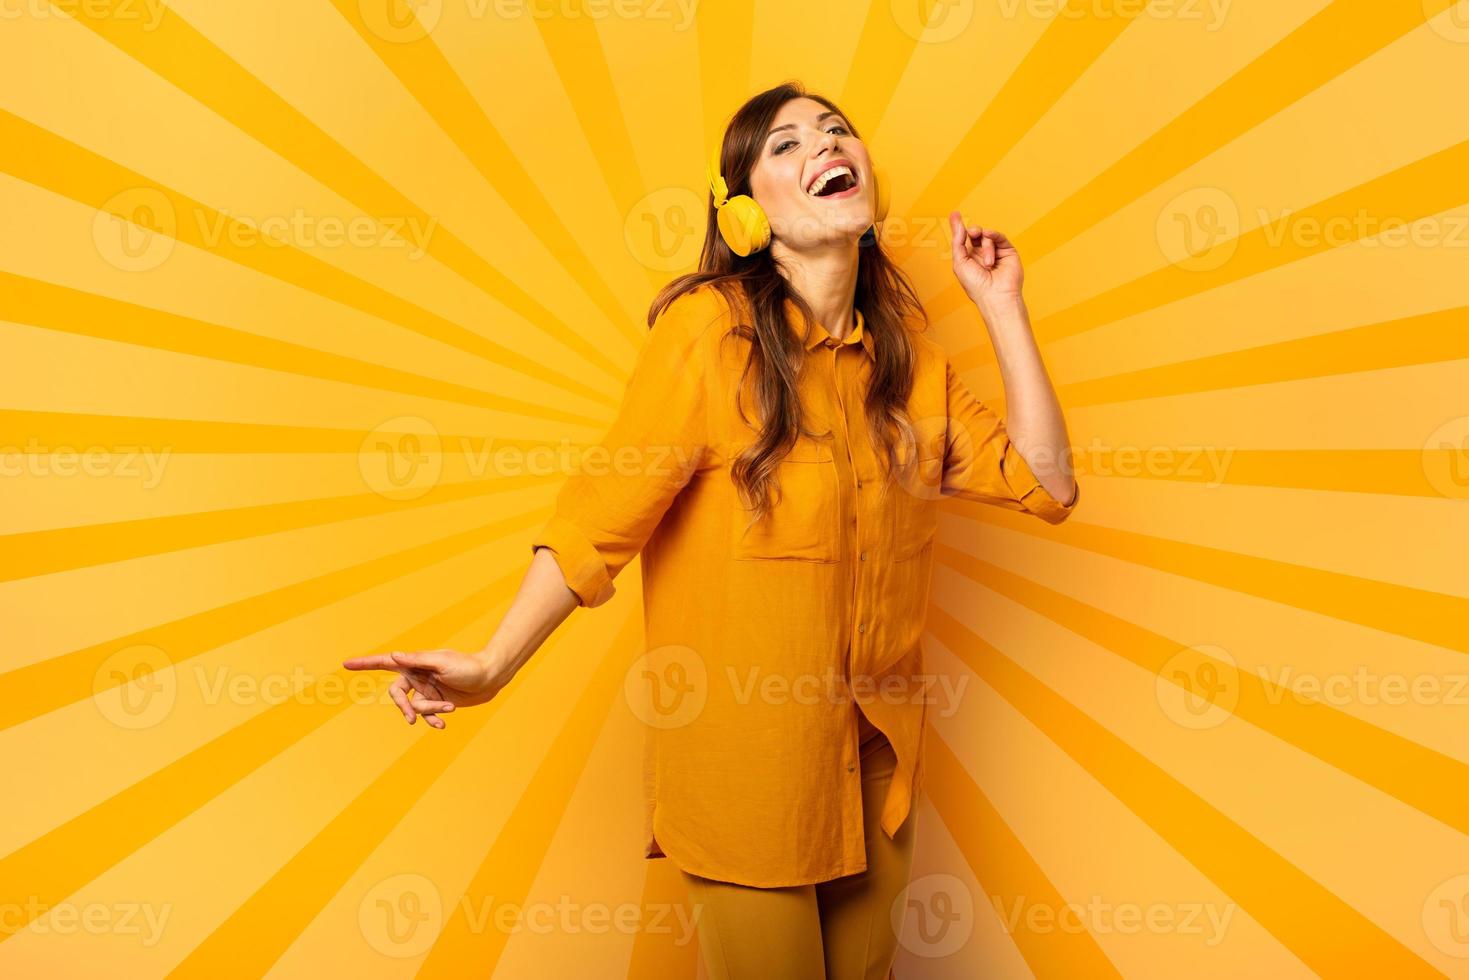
(985, 263)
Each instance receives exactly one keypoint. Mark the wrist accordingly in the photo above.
(491, 657)
(998, 308)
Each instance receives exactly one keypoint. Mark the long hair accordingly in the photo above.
(754, 288)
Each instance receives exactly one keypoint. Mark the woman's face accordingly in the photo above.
(805, 141)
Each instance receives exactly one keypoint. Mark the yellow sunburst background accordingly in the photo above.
(288, 289)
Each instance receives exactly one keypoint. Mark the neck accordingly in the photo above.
(826, 278)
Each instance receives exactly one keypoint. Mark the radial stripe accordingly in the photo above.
(1429, 617)
(726, 32)
(264, 926)
(1077, 37)
(574, 46)
(1005, 868)
(428, 76)
(174, 50)
(1397, 472)
(116, 433)
(55, 164)
(1424, 779)
(62, 549)
(878, 65)
(48, 685)
(1418, 190)
(1426, 338)
(52, 867)
(653, 955)
(1425, 472)
(122, 433)
(1343, 34)
(1327, 934)
(510, 866)
(61, 308)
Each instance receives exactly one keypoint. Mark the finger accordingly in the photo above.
(418, 660)
(988, 250)
(425, 687)
(958, 242)
(1001, 243)
(376, 661)
(427, 706)
(435, 721)
(399, 693)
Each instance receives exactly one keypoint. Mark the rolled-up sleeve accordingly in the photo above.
(983, 465)
(607, 510)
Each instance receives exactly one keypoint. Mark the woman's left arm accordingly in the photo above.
(988, 266)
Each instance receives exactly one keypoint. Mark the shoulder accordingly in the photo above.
(927, 352)
(691, 316)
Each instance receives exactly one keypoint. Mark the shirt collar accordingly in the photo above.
(816, 333)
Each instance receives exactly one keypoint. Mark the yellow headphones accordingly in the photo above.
(742, 222)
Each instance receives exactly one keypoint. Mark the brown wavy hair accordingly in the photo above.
(754, 288)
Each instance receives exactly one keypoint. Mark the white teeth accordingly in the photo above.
(821, 180)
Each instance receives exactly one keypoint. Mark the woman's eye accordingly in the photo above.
(780, 147)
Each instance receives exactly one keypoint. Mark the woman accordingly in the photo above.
(788, 433)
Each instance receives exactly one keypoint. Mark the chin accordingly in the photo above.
(829, 228)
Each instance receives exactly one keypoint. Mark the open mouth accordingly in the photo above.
(837, 181)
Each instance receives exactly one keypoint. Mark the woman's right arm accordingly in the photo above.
(448, 679)
(543, 602)
(603, 516)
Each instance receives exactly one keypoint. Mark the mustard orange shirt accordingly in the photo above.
(765, 643)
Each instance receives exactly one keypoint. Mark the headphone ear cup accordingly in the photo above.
(743, 225)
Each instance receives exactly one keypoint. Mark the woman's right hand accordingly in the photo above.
(442, 679)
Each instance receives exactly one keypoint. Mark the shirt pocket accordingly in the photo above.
(915, 499)
(805, 523)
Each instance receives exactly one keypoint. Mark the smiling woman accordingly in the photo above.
(792, 431)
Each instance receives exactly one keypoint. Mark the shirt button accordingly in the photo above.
(861, 627)
(859, 484)
(864, 556)
(851, 767)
